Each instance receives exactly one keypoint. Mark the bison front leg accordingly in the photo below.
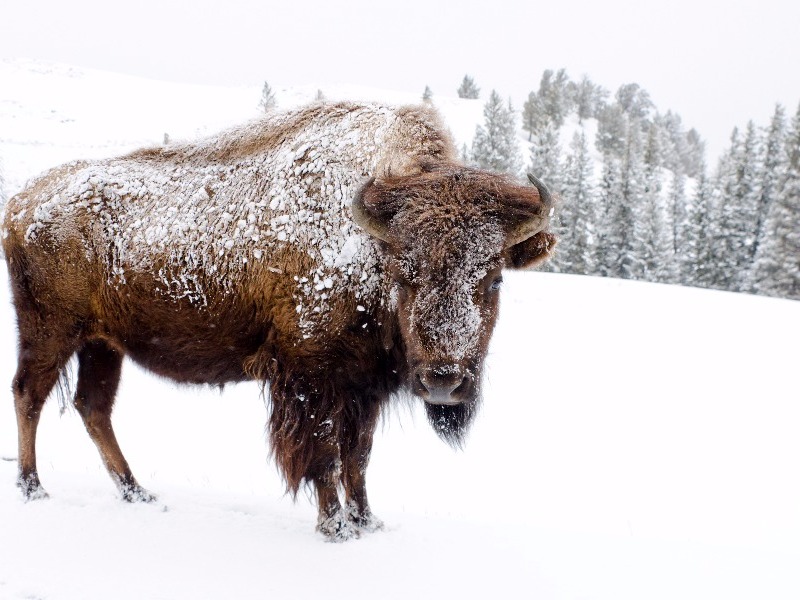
(332, 518)
(358, 432)
(305, 431)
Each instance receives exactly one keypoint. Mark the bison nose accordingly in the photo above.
(442, 387)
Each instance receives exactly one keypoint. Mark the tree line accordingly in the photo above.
(637, 200)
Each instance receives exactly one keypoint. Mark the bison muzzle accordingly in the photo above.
(339, 254)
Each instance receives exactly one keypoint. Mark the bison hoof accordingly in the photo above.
(369, 523)
(364, 520)
(337, 527)
(31, 488)
(135, 493)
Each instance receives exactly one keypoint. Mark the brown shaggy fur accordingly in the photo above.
(445, 226)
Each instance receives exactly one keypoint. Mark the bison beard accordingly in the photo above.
(452, 421)
(253, 255)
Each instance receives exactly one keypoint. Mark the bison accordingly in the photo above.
(339, 254)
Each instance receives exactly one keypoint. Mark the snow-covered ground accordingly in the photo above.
(636, 441)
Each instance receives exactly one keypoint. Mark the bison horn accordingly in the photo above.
(362, 217)
(544, 193)
(537, 223)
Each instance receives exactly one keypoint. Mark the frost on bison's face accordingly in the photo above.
(449, 232)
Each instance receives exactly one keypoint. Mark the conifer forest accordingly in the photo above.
(637, 197)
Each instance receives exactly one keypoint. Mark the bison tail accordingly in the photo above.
(64, 389)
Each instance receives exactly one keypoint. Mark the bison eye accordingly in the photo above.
(496, 283)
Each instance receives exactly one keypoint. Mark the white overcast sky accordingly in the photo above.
(716, 63)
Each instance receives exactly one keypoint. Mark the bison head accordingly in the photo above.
(448, 233)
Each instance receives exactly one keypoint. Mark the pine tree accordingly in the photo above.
(612, 127)
(267, 102)
(589, 98)
(320, 97)
(632, 253)
(771, 171)
(533, 115)
(614, 220)
(776, 271)
(655, 148)
(468, 89)
(555, 96)
(652, 255)
(427, 95)
(673, 140)
(634, 101)
(546, 155)
(694, 160)
(652, 258)
(578, 214)
(696, 255)
(678, 221)
(737, 214)
(495, 143)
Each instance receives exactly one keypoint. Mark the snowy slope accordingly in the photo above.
(637, 440)
(52, 113)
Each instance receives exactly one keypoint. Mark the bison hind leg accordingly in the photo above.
(42, 356)
(31, 487)
(99, 370)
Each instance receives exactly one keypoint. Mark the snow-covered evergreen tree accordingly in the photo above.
(737, 215)
(696, 255)
(555, 96)
(612, 127)
(776, 271)
(654, 149)
(772, 171)
(694, 161)
(614, 219)
(678, 208)
(267, 102)
(427, 95)
(634, 101)
(652, 255)
(546, 155)
(495, 143)
(633, 191)
(468, 89)
(533, 115)
(578, 216)
(550, 104)
(589, 98)
(673, 140)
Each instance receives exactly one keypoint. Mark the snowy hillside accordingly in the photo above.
(52, 113)
(636, 440)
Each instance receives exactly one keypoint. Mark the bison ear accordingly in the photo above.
(368, 210)
(529, 243)
(531, 252)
